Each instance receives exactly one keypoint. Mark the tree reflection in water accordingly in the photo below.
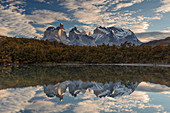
(24, 75)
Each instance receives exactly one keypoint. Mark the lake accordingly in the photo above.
(84, 89)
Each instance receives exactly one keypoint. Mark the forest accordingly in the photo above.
(31, 51)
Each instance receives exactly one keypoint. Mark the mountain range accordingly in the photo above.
(164, 42)
(101, 35)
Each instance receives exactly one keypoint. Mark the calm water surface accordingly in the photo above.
(84, 89)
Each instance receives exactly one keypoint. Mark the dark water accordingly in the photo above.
(100, 89)
(23, 76)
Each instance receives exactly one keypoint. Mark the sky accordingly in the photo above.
(149, 19)
(148, 98)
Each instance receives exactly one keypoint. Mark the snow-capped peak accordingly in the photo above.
(106, 35)
(103, 30)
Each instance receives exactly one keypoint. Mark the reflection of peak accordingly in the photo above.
(100, 90)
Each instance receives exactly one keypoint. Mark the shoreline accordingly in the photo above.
(97, 64)
(146, 65)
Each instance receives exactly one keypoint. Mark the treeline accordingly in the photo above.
(23, 50)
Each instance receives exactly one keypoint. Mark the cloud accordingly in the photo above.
(92, 107)
(28, 99)
(88, 14)
(14, 100)
(13, 2)
(150, 87)
(5, 30)
(41, 0)
(46, 106)
(46, 16)
(118, 19)
(33, 99)
(128, 4)
(44, 1)
(41, 29)
(141, 27)
(93, 13)
(14, 5)
(140, 95)
(148, 36)
(166, 30)
(105, 13)
(137, 102)
(86, 17)
(165, 7)
(14, 23)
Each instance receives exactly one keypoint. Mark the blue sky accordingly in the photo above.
(149, 19)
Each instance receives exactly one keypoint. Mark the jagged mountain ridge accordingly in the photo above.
(56, 34)
(110, 35)
(80, 38)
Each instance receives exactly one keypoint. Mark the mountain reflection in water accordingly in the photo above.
(21, 89)
(147, 98)
(99, 89)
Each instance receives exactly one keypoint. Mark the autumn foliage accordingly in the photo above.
(23, 50)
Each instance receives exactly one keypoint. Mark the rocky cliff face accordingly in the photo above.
(110, 35)
(80, 38)
(113, 35)
(56, 34)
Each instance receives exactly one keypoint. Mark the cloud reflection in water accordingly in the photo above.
(33, 99)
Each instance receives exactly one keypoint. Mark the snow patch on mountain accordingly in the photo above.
(101, 35)
(103, 30)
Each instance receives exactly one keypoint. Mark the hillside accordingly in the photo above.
(164, 42)
(29, 51)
